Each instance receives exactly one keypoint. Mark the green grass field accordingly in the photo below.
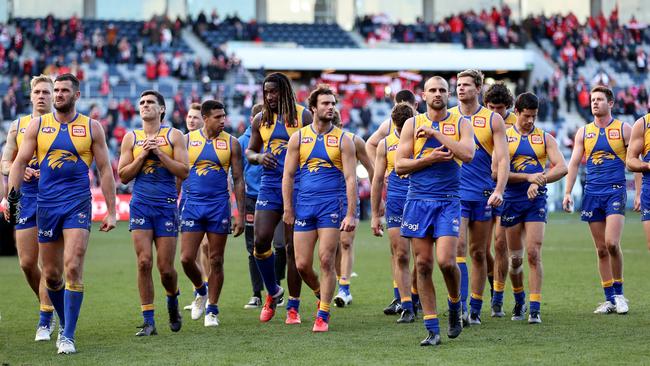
(359, 334)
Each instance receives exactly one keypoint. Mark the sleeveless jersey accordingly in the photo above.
(64, 153)
(154, 183)
(397, 186)
(646, 147)
(28, 188)
(605, 152)
(476, 177)
(510, 119)
(439, 180)
(320, 166)
(209, 165)
(527, 155)
(275, 138)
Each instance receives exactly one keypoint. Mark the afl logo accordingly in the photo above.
(48, 129)
(22, 130)
(332, 141)
(479, 122)
(161, 141)
(449, 129)
(614, 134)
(221, 144)
(196, 143)
(392, 147)
(139, 143)
(512, 139)
(536, 139)
(307, 140)
(590, 135)
(79, 131)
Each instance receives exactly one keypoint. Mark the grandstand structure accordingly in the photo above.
(368, 50)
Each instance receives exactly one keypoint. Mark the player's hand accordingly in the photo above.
(30, 174)
(637, 203)
(440, 154)
(533, 191)
(376, 226)
(537, 178)
(567, 203)
(349, 223)
(496, 199)
(425, 132)
(238, 226)
(153, 146)
(108, 223)
(268, 160)
(289, 217)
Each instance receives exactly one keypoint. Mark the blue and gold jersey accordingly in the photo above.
(476, 177)
(510, 119)
(28, 188)
(320, 165)
(439, 180)
(528, 156)
(275, 138)
(154, 183)
(398, 185)
(209, 165)
(605, 153)
(64, 153)
(646, 147)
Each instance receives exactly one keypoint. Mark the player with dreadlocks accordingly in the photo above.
(270, 132)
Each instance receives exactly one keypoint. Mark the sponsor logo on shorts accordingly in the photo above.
(187, 223)
(412, 227)
(332, 141)
(22, 220)
(616, 205)
(536, 139)
(307, 140)
(448, 129)
(169, 226)
(137, 220)
(394, 219)
(221, 144)
(646, 212)
(505, 218)
(587, 214)
(196, 143)
(82, 217)
(542, 212)
(334, 217)
(262, 203)
(79, 131)
(46, 233)
(455, 221)
(614, 134)
(301, 223)
(479, 122)
(48, 129)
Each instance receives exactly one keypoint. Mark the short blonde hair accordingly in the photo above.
(41, 79)
(476, 75)
(195, 106)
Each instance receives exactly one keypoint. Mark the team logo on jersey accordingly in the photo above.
(57, 157)
(599, 157)
(196, 143)
(590, 135)
(48, 129)
(521, 162)
(203, 167)
(277, 146)
(448, 129)
(479, 122)
(307, 140)
(79, 131)
(314, 164)
(614, 134)
(221, 144)
(332, 141)
(161, 141)
(150, 166)
(536, 139)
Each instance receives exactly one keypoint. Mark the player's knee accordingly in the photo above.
(187, 260)
(424, 267)
(515, 261)
(447, 265)
(346, 244)
(327, 262)
(29, 264)
(402, 259)
(53, 281)
(500, 246)
(145, 263)
(602, 252)
(477, 255)
(216, 263)
(612, 248)
(534, 257)
(167, 273)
